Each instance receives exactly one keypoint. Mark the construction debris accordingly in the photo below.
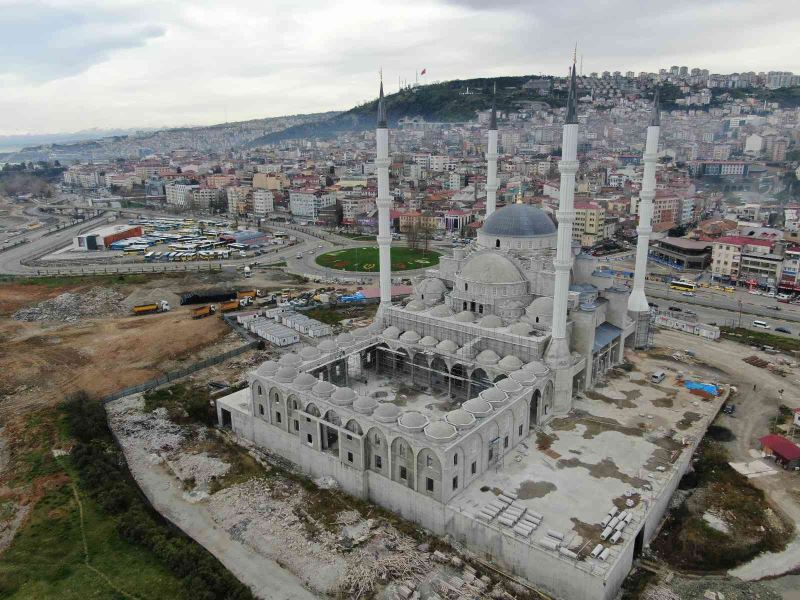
(152, 430)
(201, 467)
(70, 307)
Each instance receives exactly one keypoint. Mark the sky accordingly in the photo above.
(70, 65)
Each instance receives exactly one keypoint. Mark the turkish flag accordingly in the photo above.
(423, 71)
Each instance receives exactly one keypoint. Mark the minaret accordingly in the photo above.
(637, 302)
(384, 203)
(558, 352)
(491, 158)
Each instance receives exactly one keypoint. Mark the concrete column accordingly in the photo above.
(384, 203)
(558, 352)
(637, 302)
(491, 173)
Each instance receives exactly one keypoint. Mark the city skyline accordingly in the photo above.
(155, 64)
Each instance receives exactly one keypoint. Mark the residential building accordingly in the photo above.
(589, 226)
(307, 203)
(263, 202)
(179, 193)
(240, 199)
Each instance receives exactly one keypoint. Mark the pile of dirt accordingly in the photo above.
(201, 467)
(153, 430)
(71, 307)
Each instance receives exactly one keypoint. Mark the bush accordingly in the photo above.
(103, 474)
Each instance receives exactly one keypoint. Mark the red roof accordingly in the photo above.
(741, 240)
(780, 446)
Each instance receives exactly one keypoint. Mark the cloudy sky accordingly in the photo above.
(69, 65)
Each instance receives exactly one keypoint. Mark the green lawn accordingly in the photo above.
(366, 259)
(752, 337)
(46, 559)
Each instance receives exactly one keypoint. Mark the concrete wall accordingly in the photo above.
(549, 571)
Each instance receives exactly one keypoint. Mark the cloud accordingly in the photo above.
(49, 42)
(77, 64)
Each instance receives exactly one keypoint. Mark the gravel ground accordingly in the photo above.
(692, 589)
(71, 307)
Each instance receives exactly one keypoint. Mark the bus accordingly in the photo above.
(683, 285)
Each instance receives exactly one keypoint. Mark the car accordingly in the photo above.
(783, 330)
(675, 309)
(688, 294)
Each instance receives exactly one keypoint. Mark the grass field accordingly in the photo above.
(752, 337)
(366, 259)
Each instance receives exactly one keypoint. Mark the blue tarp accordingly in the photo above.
(604, 335)
(706, 387)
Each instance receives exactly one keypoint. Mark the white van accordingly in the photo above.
(657, 376)
(760, 325)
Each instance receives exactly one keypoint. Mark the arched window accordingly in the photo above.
(260, 391)
(466, 286)
(497, 243)
(537, 319)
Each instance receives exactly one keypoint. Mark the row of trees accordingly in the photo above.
(104, 476)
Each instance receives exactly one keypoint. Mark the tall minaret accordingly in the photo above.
(558, 352)
(637, 302)
(384, 203)
(491, 158)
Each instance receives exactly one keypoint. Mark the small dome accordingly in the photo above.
(520, 329)
(361, 333)
(523, 377)
(442, 310)
(510, 363)
(386, 412)
(440, 431)
(490, 267)
(268, 368)
(343, 340)
(460, 418)
(365, 405)
(537, 368)
(410, 336)
(412, 420)
(508, 385)
(519, 220)
(323, 389)
(343, 396)
(478, 407)
(304, 381)
(290, 360)
(391, 332)
(493, 395)
(428, 341)
(286, 374)
(464, 317)
(540, 310)
(327, 346)
(415, 306)
(487, 357)
(491, 322)
(448, 346)
(430, 291)
(309, 353)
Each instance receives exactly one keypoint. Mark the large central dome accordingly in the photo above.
(519, 220)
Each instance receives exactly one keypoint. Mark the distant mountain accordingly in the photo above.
(449, 101)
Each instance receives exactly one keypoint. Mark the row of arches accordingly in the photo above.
(394, 456)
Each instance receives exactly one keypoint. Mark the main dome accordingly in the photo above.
(519, 220)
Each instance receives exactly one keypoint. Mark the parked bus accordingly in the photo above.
(683, 285)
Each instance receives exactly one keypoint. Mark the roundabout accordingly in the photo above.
(365, 259)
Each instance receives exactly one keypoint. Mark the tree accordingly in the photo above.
(412, 235)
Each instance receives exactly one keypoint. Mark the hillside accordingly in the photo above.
(443, 102)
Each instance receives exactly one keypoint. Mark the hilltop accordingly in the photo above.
(448, 101)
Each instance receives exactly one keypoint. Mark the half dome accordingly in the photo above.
(490, 267)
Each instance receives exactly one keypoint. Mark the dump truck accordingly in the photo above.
(203, 311)
(229, 305)
(248, 294)
(153, 307)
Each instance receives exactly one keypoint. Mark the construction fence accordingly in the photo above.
(179, 373)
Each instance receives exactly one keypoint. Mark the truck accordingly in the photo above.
(229, 305)
(248, 294)
(153, 307)
(203, 311)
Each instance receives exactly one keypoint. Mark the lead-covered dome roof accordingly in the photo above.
(519, 220)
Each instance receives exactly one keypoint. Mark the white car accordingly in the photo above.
(689, 294)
